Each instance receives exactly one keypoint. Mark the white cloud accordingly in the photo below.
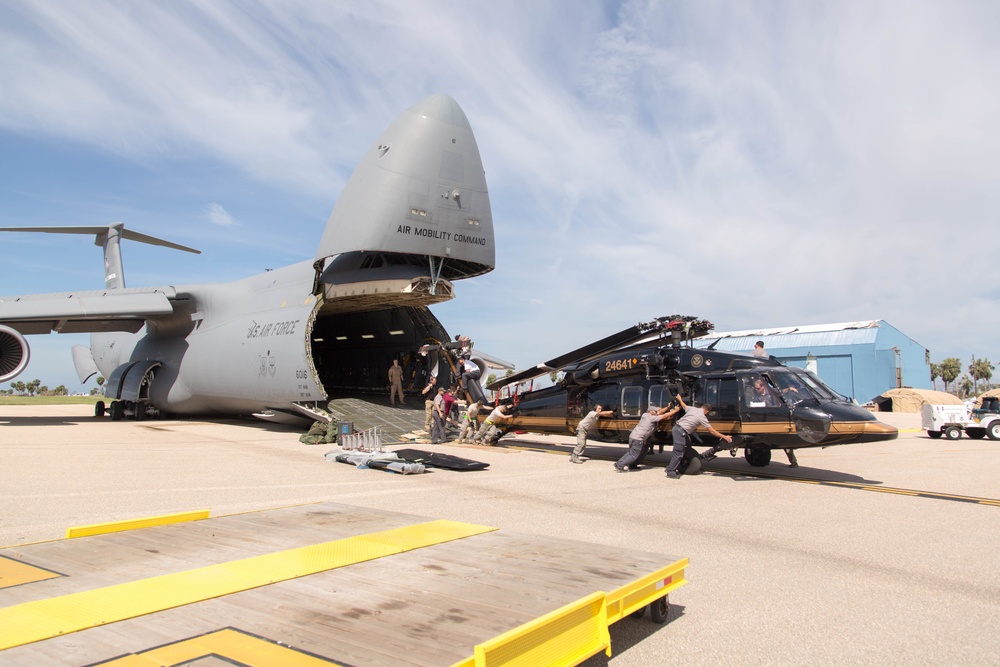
(219, 216)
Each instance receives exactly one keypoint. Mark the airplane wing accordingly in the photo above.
(86, 311)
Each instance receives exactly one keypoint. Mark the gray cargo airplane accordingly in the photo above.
(414, 217)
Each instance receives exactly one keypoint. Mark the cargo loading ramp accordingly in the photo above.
(323, 584)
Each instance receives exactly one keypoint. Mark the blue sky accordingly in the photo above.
(756, 164)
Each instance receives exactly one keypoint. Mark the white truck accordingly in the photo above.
(951, 420)
(987, 418)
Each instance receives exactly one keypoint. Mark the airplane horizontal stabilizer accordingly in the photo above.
(97, 231)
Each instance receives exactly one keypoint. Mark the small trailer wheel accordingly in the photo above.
(952, 433)
(658, 609)
(638, 613)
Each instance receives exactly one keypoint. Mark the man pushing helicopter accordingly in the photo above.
(683, 428)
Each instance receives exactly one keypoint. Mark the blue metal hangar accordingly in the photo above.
(857, 359)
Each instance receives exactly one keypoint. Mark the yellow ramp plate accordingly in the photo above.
(14, 573)
(132, 524)
(230, 645)
(42, 619)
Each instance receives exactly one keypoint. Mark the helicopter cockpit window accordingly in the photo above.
(792, 388)
(758, 393)
(631, 402)
(817, 386)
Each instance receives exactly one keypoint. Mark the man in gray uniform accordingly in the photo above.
(470, 422)
(693, 418)
(485, 433)
(583, 428)
(639, 435)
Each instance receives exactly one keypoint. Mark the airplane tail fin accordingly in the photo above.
(108, 237)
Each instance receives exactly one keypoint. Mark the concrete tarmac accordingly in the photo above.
(781, 573)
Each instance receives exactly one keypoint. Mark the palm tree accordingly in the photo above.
(980, 369)
(950, 368)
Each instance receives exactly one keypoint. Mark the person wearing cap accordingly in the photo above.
(640, 435)
(693, 418)
(583, 428)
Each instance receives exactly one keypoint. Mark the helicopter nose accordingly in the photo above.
(881, 431)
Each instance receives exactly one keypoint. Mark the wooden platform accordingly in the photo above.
(314, 585)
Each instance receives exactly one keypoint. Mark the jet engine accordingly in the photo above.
(14, 353)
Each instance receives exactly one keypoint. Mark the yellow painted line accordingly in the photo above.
(42, 619)
(886, 489)
(14, 573)
(239, 647)
(133, 524)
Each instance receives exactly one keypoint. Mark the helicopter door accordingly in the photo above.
(722, 395)
(761, 402)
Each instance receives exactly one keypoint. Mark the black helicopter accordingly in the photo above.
(762, 403)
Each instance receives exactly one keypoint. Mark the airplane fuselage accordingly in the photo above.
(414, 217)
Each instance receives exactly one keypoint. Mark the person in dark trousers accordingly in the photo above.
(688, 423)
(639, 435)
(437, 430)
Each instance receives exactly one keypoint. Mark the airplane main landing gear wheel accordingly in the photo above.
(99, 409)
(758, 457)
(140, 412)
(658, 609)
(117, 411)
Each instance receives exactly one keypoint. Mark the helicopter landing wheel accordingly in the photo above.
(758, 457)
